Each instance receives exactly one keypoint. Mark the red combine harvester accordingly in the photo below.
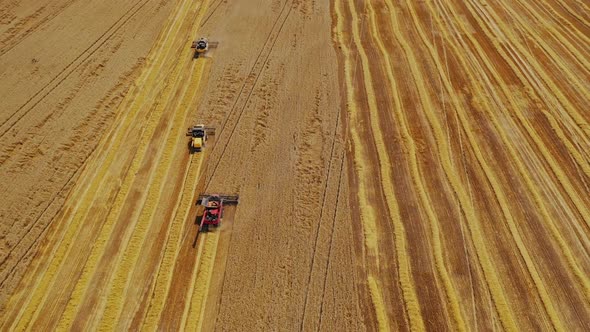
(213, 213)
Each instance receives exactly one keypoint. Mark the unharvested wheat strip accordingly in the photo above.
(208, 263)
(125, 119)
(522, 169)
(107, 226)
(406, 280)
(380, 309)
(196, 306)
(498, 296)
(75, 301)
(120, 281)
(195, 272)
(450, 292)
(61, 251)
(81, 287)
(105, 233)
(164, 279)
(108, 141)
(564, 180)
(38, 296)
(547, 301)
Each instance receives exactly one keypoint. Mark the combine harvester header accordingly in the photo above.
(202, 46)
(199, 135)
(213, 213)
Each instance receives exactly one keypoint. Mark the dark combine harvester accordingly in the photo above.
(213, 213)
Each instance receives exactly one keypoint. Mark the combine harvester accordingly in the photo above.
(202, 46)
(199, 135)
(213, 213)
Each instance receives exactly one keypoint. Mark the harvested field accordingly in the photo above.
(400, 165)
(469, 142)
(62, 74)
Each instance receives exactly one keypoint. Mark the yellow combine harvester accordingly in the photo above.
(199, 135)
(201, 46)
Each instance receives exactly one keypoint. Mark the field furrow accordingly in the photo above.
(398, 165)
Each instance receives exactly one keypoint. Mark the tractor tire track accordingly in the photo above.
(367, 213)
(505, 210)
(530, 167)
(568, 255)
(120, 281)
(334, 138)
(101, 178)
(251, 79)
(119, 130)
(105, 232)
(533, 187)
(173, 242)
(10, 41)
(56, 81)
(215, 7)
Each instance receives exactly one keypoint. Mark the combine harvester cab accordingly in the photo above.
(213, 213)
(199, 136)
(202, 46)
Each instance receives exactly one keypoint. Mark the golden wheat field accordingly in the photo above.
(400, 165)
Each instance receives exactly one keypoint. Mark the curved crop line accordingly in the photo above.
(522, 169)
(375, 291)
(105, 233)
(368, 217)
(557, 35)
(563, 179)
(518, 240)
(450, 292)
(121, 278)
(30, 310)
(517, 52)
(550, 52)
(164, 280)
(564, 24)
(559, 173)
(572, 77)
(522, 119)
(498, 295)
(196, 306)
(574, 12)
(195, 272)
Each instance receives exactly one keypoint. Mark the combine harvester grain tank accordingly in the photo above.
(199, 136)
(202, 46)
(214, 205)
